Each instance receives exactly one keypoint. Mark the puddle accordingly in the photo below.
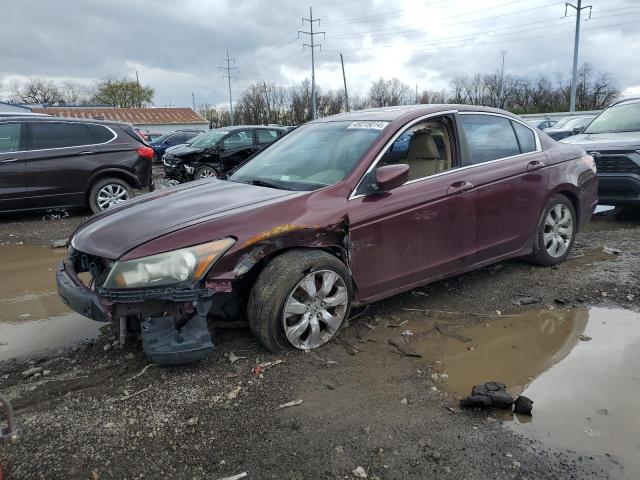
(592, 255)
(586, 393)
(32, 316)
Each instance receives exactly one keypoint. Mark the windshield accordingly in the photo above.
(209, 139)
(576, 122)
(162, 138)
(312, 156)
(616, 119)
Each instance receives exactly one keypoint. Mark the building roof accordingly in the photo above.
(137, 116)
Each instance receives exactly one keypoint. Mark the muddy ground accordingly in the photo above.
(364, 404)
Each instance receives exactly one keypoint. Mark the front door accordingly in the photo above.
(14, 193)
(420, 231)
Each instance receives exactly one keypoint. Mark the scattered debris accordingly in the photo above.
(407, 333)
(235, 477)
(192, 421)
(523, 405)
(234, 393)
(490, 394)
(56, 214)
(233, 358)
(339, 449)
(350, 349)
(127, 396)
(611, 251)
(447, 333)
(561, 301)
(359, 472)
(60, 243)
(526, 301)
(419, 293)
(139, 374)
(400, 346)
(31, 371)
(292, 403)
(397, 325)
(584, 338)
(262, 367)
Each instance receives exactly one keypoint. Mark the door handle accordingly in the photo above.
(459, 187)
(10, 160)
(535, 165)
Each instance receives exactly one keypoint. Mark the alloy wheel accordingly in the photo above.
(207, 173)
(315, 309)
(111, 194)
(558, 230)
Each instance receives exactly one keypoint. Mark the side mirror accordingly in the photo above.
(576, 130)
(391, 176)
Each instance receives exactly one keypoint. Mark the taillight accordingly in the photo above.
(591, 163)
(145, 152)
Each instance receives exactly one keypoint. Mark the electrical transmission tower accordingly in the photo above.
(312, 46)
(228, 76)
(574, 75)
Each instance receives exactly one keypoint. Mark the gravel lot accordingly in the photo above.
(96, 415)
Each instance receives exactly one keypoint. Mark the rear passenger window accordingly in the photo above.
(526, 138)
(100, 133)
(266, 136)
(59, 135)
(10, 137)
(489, 137)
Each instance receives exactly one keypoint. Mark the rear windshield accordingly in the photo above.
(617, 119)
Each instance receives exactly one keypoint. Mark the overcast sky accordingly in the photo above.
(177, 46)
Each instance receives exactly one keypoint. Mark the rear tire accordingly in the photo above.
(556, 232)
(108, 192)
(311, 321)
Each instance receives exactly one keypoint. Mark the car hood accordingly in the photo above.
(114, 232)
(606, 141)
(184, 150)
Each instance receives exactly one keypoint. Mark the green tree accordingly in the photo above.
(123, 93)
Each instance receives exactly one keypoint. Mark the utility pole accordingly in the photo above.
(416, 93)
(193, 99)
(138, 87)
(266, 101)
(576, 44)
(228, 76)
(503, 54)
(344, 79)
(312, 46)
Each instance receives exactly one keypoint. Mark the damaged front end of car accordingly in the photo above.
(162, 298)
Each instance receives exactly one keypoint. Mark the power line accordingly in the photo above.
(312, 46)
(576, 44)
(228, 76)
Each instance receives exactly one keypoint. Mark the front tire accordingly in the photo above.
(556, 232)
(205, 172)
(300, 300)
(108, 192)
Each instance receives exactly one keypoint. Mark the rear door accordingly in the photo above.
(237, 147)
(60, 160)
(14, 193)
(506, 165)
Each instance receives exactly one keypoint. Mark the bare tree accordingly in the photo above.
(385, 93)
(37, 91)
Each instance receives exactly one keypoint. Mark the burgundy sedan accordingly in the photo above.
(344, 210)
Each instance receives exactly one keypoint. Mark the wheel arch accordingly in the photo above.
(110, 173)
(571, 192)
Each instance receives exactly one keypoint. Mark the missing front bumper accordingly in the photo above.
(76, 295)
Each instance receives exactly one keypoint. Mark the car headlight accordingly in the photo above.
(177, 266)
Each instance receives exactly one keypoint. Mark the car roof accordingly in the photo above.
(626, 100)
(48, 118)
(390, 114)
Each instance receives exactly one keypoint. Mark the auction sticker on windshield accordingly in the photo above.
(369, 125)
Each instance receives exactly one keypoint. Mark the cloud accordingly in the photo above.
(177, 47)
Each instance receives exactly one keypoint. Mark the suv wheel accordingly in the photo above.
(556, 232)
(205, 172)
(300, 300)
(108, 192)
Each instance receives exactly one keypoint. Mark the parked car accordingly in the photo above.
(613, 139)
(218, 151)
(51, 162)
(179, 137)
(152, 136)
(326, 217)
(542, 123)
(26, 114)
(572, 127)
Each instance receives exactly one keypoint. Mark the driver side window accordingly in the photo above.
(243, 138)
(425, 148)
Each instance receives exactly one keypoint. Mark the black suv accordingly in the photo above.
(51, 162)
(613, 139)
(217, 151)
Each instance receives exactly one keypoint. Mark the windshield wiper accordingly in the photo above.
(264, 183)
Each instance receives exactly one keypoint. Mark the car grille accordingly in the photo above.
(618, 163)
(133, 295)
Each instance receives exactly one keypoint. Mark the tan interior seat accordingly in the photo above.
(423, 157)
